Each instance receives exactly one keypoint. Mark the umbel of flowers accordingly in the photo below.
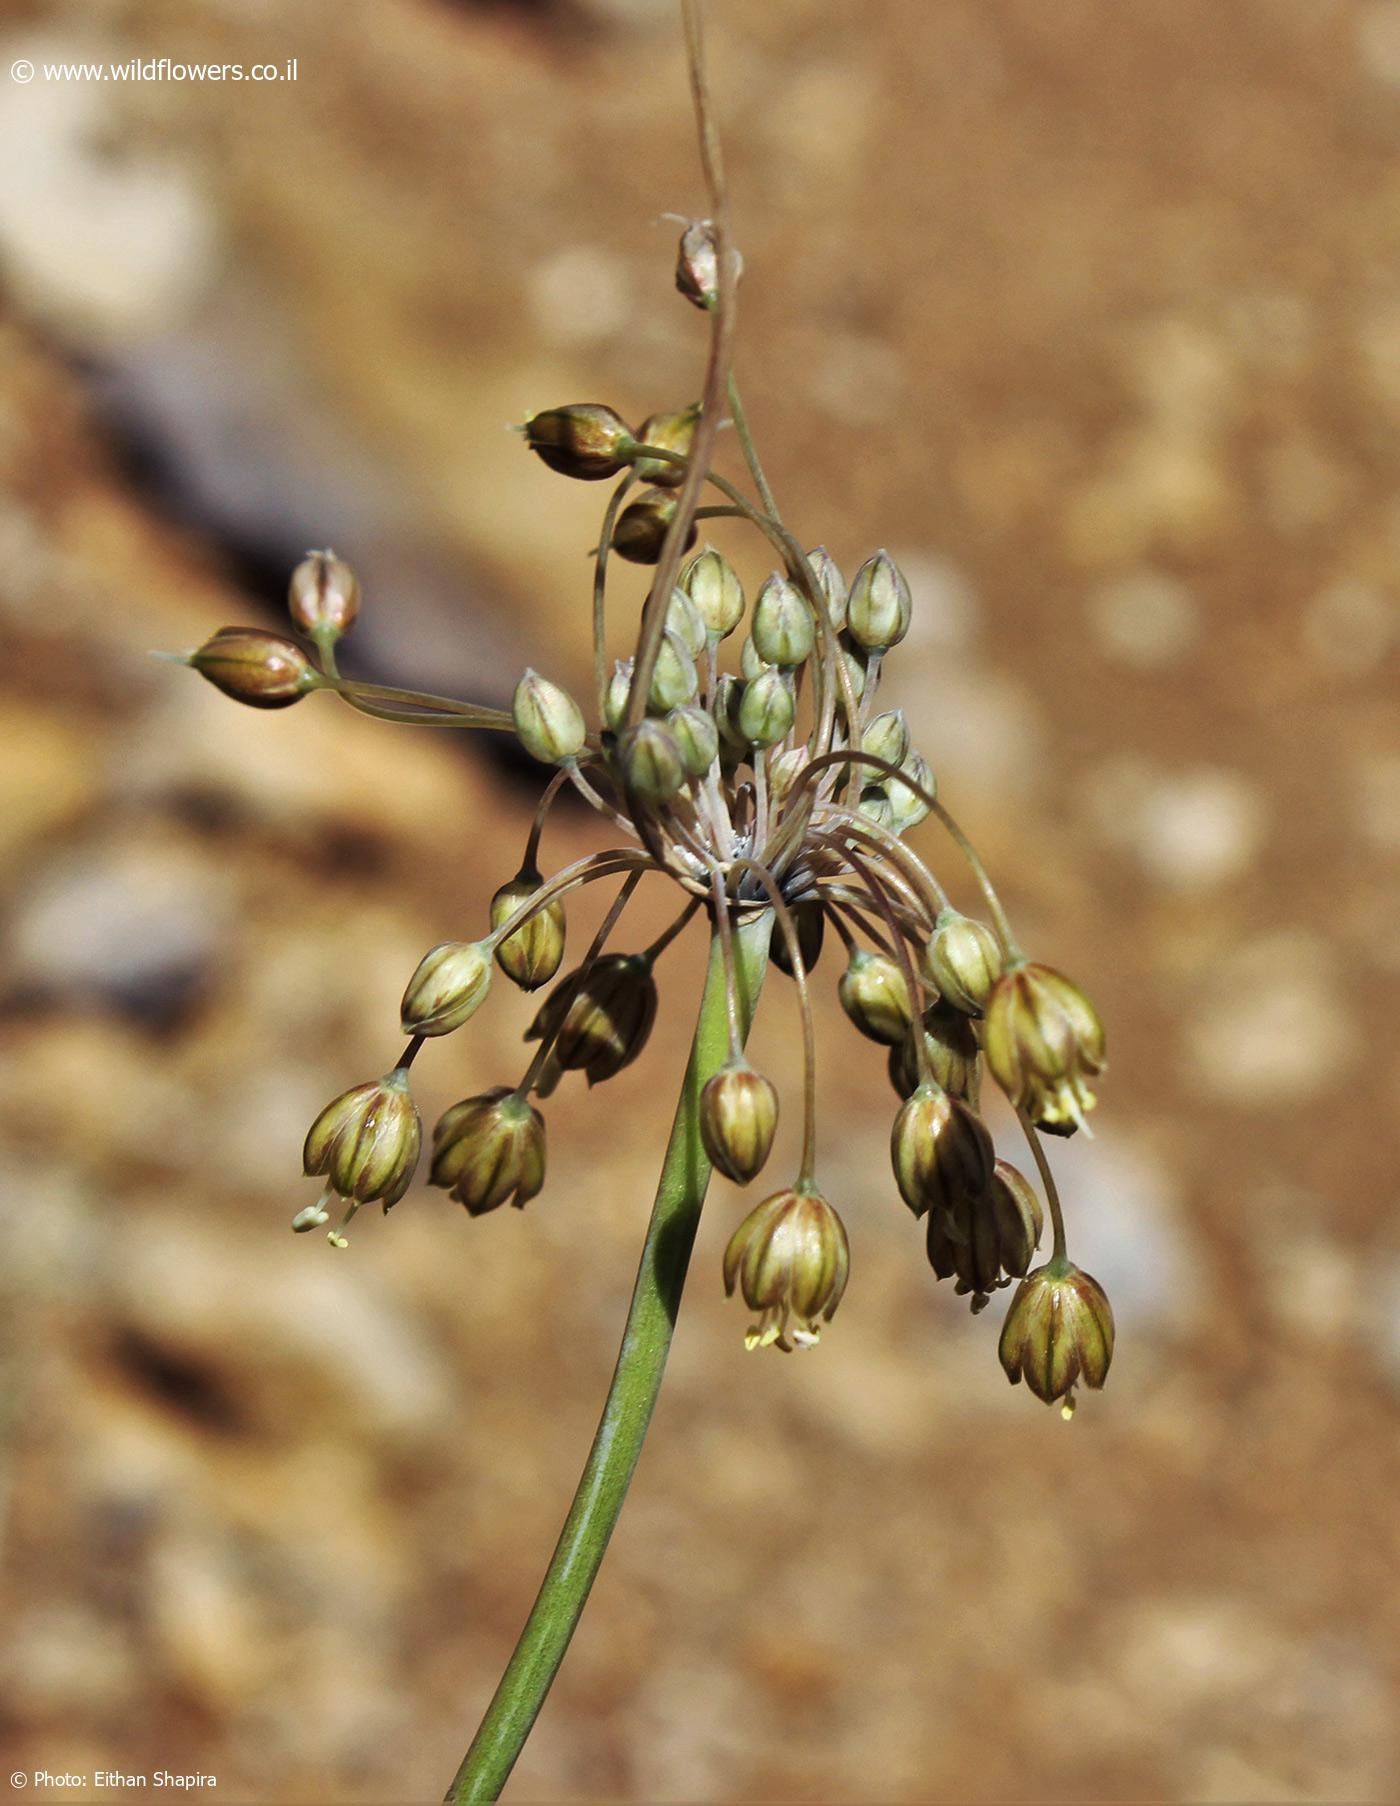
(756, 772)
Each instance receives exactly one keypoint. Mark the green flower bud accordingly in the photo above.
(790, 1259)
(875, 803)
(785, 769)
(489, 1150)
(619, 689)
(262, 669)
(1044, 1042)
(782, 630)
(831, 584)
(323, 597)
(673, 433)
(953, 1053)
(650, 763)
(448, 988)
(641, 528)
(366, 1143)
(713, 585)
(887, 737)
(674, 680)
(738, 1119)
(533, 953)
(683, 619)
(729, 695)
(877, 614)
(697, 264)
(941, 1151)
(697, 737)
(907, 807)
(603, 1025)
(809, 919)
(962, 961)
(875, 997)
(586, 440)
(750, 664)
(766, 709)
(854, 661)
(1058, 1331)
(985, 1242)
(548, 720)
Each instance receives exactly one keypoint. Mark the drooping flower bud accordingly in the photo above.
(323, 597)
(887, 737)
(738, 1119)
(985, 1242)
(697, 264)
(878, 611)
(951, 1044)
(533, 953)
(448, 988)
(619, 689)
(548, 720)
(489, 1150)
(366, 1143)
(641, 527)
(809, 919)
(1058, 1331)
(782, 630)
(766, 709)
(602, 1024)
(1044, 1042)
(875, 997)
(697, 737)
(831, 584)
(674, 679)
(585, 440)
(713, 585)
(673, 433)
(650, 763)
(963, 960)
(263, 669)
(941, 1151)
(683, 619)
(790, 1259)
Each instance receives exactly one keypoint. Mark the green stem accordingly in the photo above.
(641, 1361)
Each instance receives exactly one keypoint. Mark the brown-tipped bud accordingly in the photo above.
(875, 997)
(641, 529)
(988, 1241)
(697, 264)
(962, 961)
(953, 1053)
(533, 953)
(323, 597)
(878, 611)
(790, 1259)
(713, 585)
(738, 1119)
(619, 689)
(908, 806)
(674, 679)
(683, 618)
(766, 709)
(1044, 1042)
(251, 665)
(782, 631)
(1058, 1331)
(548, 720)
(941, 1151)
(831, 584)
(602, 1023)
(672, 433)
(489, 1151)
(887, 737)
(367, 1141)
(809, 919)
(585, 440)
(697, 737)
(448, 988)
(649, 762)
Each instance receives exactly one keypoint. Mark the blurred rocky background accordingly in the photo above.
(1090, 311)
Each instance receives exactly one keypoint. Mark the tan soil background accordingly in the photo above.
(1090, 311)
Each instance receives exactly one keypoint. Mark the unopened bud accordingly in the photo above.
(683, 619)
(790, 1259)
(1058, 1331)
(697, 737)
(766, 709)
(697, 264)
(963, 960)
(619, 689)
(875, 997)
(641, 529)
(941, 1151)
(533, 953)
(831, 584)
(489, 1151)
(809, 920)
(650, 762)
(713, 585)
(986, 1242)
(672, 433)
(585, 440)
(448, 988)
(602, 1023)
(854, 661)
(1044, 1043)
(782, 630)
(367, 1141)
(251, 665)
(738, 1119)
(729, 695)
(751, 663)
(909, 806)
(887, 737)
(785, 769)
(877, 614)
(323, 597)
(950, 1043)
(875, 803)
(548, 720)
(674, 679)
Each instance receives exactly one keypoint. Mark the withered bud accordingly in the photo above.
(986, 1242)
(489, 1151)
(672, 433)
(1058, 1331)
(251, 665)
(641, 529)
(875, 997)
(713, 585)
(738, 1119)
(448, 988)
(941, 1151)
(790, 1259)
(782, 631)
(878, 611)
(887, 737)
(603, 1023)
(1044, 1042)
(533, 953)
(585, 440)
(683, 618)
(323, 597)
(650, 763)
(766, 709)
(831, 584)
(367, 1141)
(951, 1045)
(547, 719)
(809, 919)
(697, 737)
(962, 961)
(674, 679)
(697, 264)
